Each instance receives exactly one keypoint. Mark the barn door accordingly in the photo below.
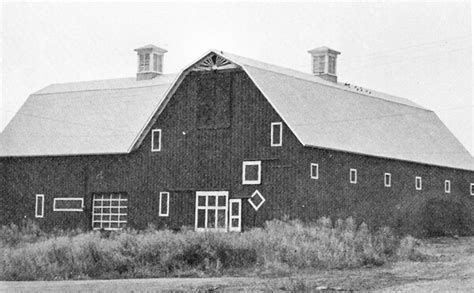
(235, 212)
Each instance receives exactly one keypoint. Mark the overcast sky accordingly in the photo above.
(419, 51)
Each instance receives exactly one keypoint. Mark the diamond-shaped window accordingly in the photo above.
(256, 200)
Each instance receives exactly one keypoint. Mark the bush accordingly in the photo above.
(152, 253)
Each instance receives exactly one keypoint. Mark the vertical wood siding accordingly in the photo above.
(204, 156)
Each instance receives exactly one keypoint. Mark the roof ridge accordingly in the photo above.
(311, 78)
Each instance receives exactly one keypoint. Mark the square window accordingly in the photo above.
(353, 176)
(447, 186)
(164, 204)
(251, 172)
(418, 183)
(156, 140)
(314, 171)
(387, 180)
(39, 206)
(276, 133)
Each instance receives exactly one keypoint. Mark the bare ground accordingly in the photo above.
(449, 268)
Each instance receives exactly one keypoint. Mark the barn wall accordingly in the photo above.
(210, 158)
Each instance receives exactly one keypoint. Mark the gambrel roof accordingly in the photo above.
(112, 116)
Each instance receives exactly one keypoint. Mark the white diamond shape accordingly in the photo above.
(262, 200)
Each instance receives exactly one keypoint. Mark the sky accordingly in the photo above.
(421, 51)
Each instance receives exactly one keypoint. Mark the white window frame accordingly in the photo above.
(71, 209)
(160, 214)
(251, 163)
(206, 194)
(472, 189)
(389, 176)
(38, 196)
(313, 176)
(355, 176)
(102, 197)
(237, 201)
(416, 183)
(447, 186)
(256, 207)
(272, 143)
(153, 149)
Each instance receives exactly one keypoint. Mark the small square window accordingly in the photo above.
(39, 206)
(447, 186)
(472, 188)
(387, 180)
(156, 140)
(276, 134)
(353, 176)
(418, 183)
(314, 171)
(164, 204)
(251, 172)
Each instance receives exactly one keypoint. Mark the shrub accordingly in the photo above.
(280, 245)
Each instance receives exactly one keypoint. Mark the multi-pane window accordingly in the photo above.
(39, 206)
(68, 204)
(109, 211)
(276, 133)
(144, 64)
(387, 181)
(418, 183)
(251, 172)
(314, 171)
(447, 186)
(211, 211)
(353, 176)
(156, 140)
(164, 204)
(332, 65)
(319, 64)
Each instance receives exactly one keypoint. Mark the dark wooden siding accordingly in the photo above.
(197, 157)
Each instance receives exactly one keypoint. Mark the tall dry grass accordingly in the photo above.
(152, 253)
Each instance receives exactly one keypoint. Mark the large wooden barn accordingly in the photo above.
(227, 144)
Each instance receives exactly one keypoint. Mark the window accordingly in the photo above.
(211, 211)
(276, 134)
(418, 183)
(387, 182)
(472, 188)
(155, 62)
(144, 62)
(314, 171)
(251, 172)
(68, 204)
(319, 64)
(39, 206)
(332, 65)
(156, 140)
(164, 204)
(447, 186)
(109, 211)
(353, 176)
(235, 212)
(256, 200)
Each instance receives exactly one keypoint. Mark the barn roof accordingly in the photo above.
(110, 116)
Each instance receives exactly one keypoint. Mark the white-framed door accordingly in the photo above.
(235, 215)
(211, 211)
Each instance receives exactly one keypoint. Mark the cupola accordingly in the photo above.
(324, 63)
(150, 61)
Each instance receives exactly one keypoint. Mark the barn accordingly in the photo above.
(227, 144)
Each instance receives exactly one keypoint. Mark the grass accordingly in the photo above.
(30, 254)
